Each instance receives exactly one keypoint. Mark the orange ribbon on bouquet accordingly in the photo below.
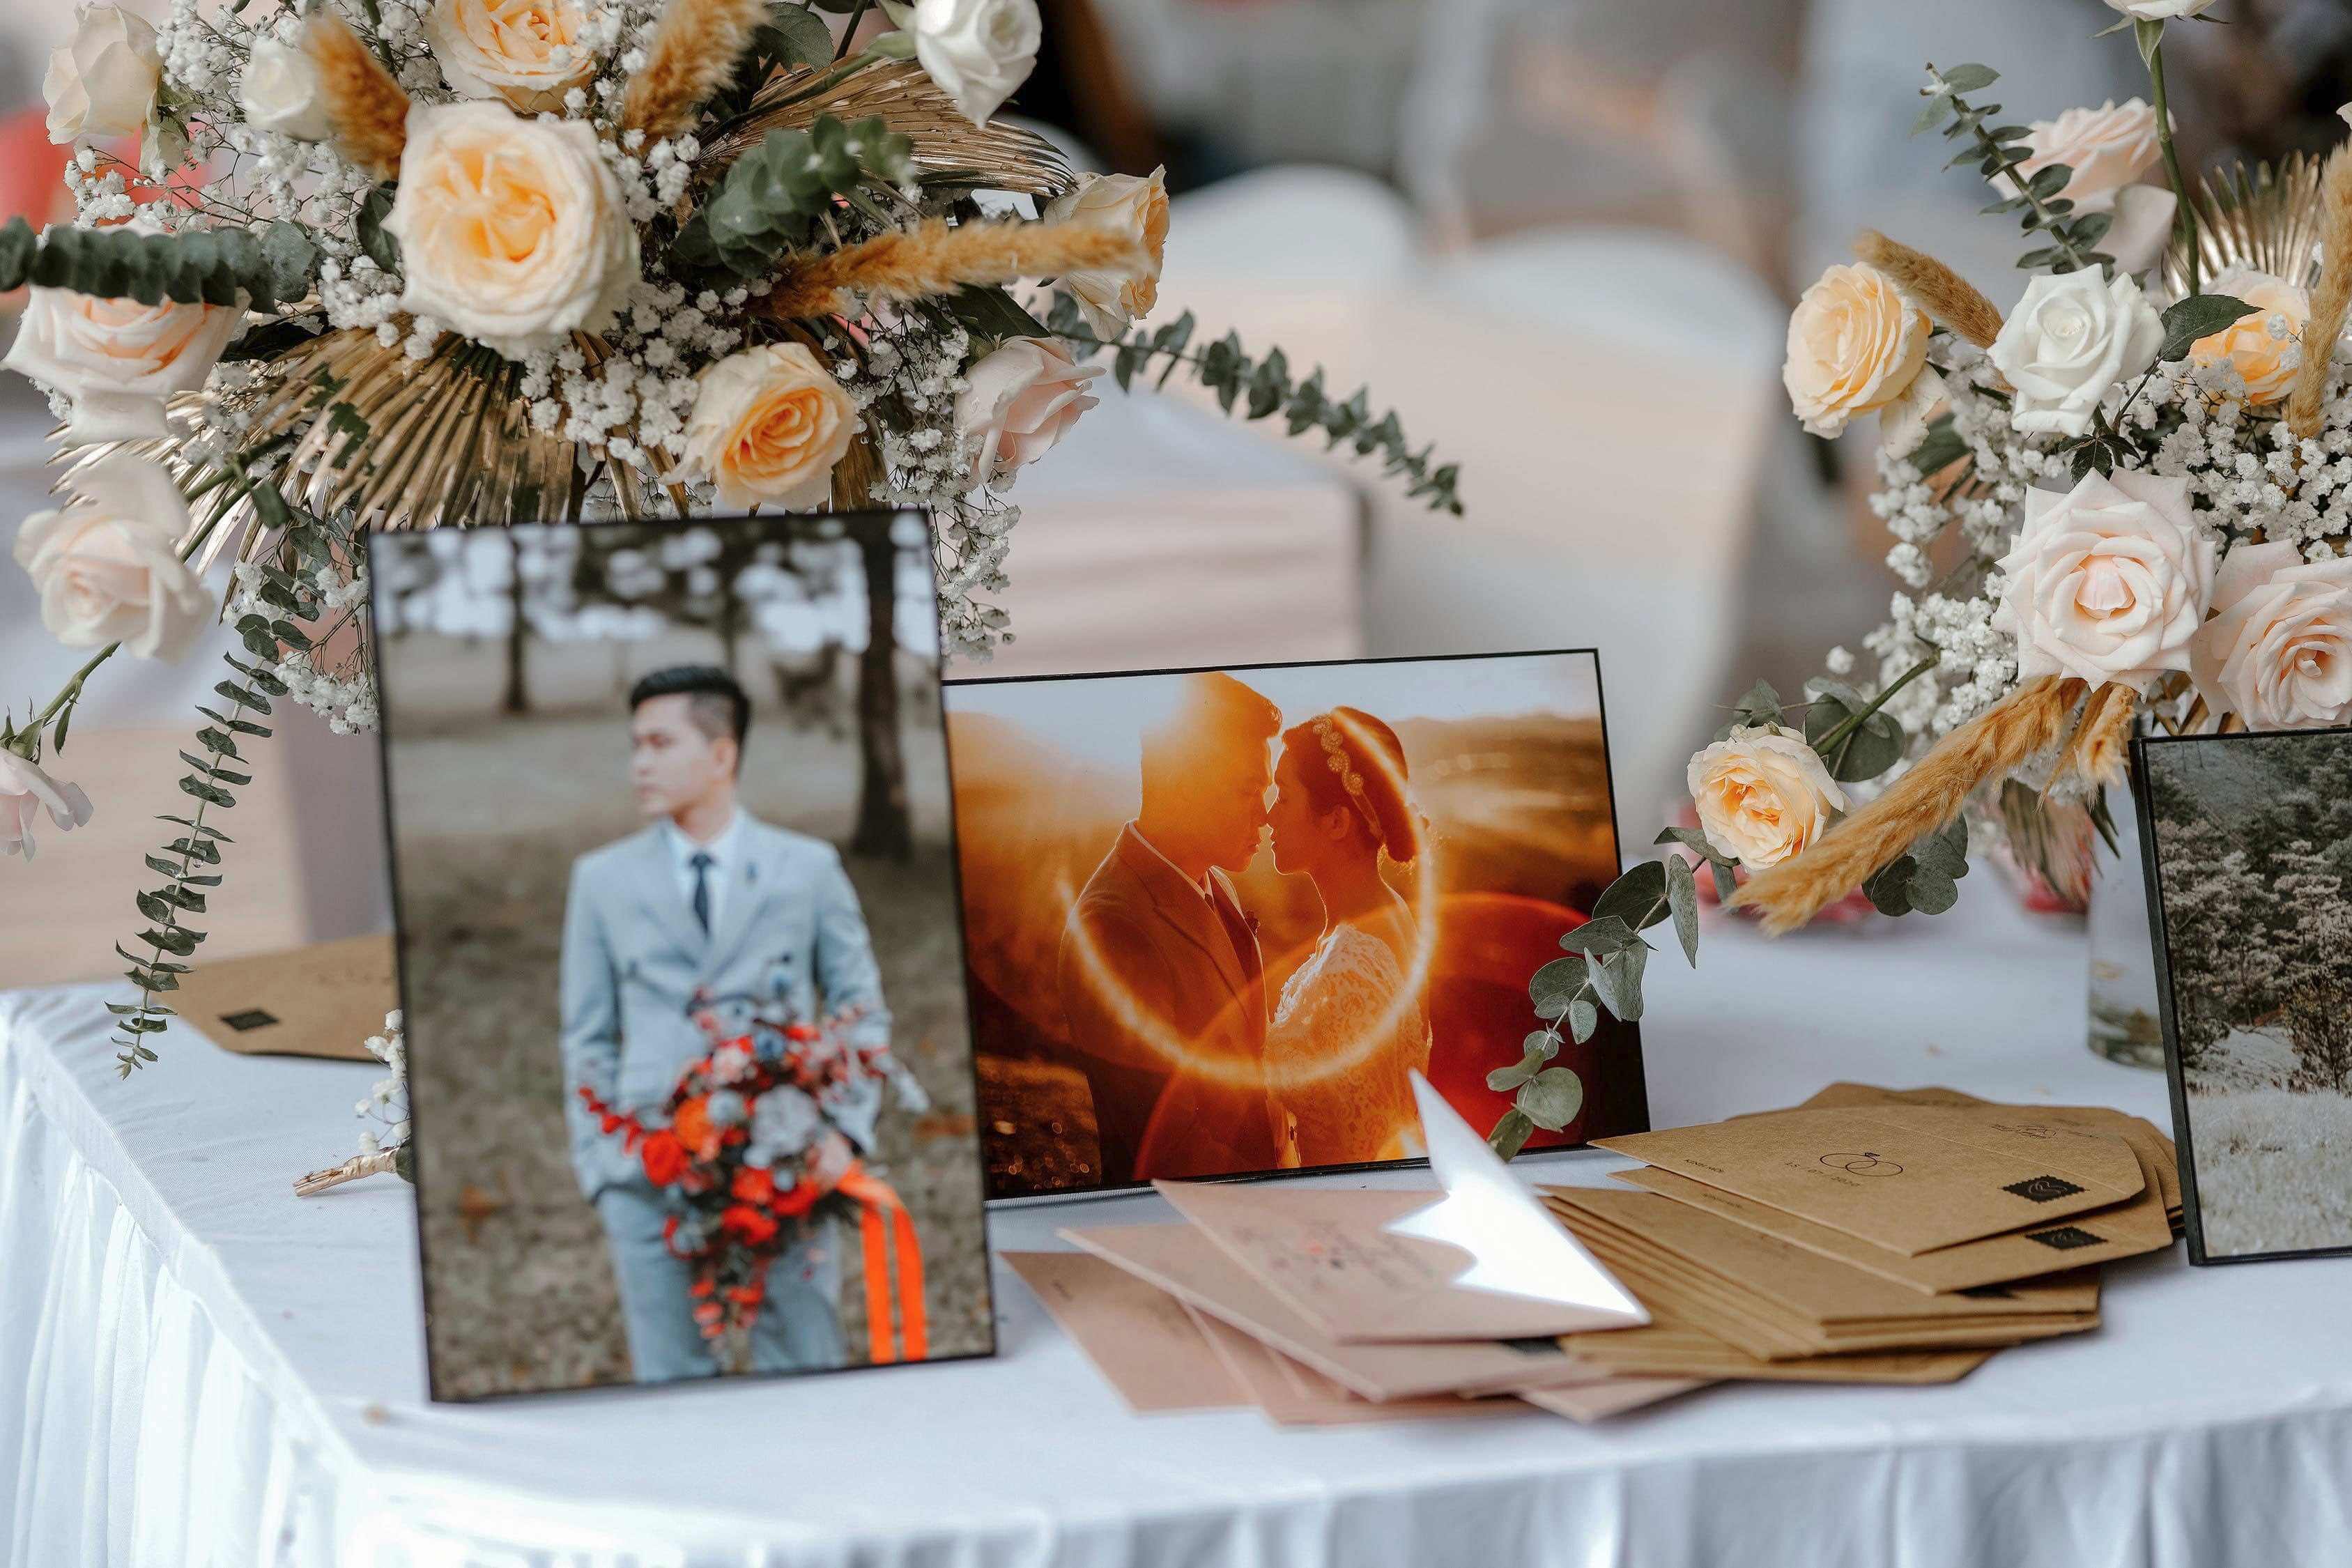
(887, 1235)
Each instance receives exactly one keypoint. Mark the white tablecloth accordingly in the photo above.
(211, 1372)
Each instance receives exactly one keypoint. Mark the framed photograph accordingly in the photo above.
(1216, 916)
(689, 1052)
(2248, 844)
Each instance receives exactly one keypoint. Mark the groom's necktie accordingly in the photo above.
(702, 864)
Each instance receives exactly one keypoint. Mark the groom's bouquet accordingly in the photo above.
(734, 1150)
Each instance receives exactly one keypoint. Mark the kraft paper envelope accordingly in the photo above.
(316, 1001)
(1909, 1178)
(1613, 1396)
(1141, 1339)
(2155, 1145)
(2100, 1237)
(1186, 1263)
(1675, 1350)
(1292, 1393)
(1329, 1254)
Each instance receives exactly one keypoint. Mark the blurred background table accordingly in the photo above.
(210, 1370)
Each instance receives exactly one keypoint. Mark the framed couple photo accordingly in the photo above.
(1215, 918)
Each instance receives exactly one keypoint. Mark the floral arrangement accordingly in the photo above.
(2126, 501)
(744, 1153)
(385, 264)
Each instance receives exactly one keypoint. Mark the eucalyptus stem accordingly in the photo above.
(830, 79)
(1845, 727)
(2151, 35)
(849, 32)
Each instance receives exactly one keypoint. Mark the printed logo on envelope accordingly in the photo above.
(2043, 1189)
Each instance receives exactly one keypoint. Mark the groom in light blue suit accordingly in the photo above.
(705, 906)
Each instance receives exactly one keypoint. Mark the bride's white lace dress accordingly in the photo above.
(1335, 1071)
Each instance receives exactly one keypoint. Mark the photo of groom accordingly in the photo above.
(690, 1049)
(1218, 919)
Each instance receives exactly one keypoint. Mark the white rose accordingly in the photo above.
(102, 82)
(527, 52)
(1018, 404)
(2160, 10)
(279, 91)
(768, 425)
(1112, 297)
(1856, 344)
(1762, 794)
(118, 359)
(2278, 651)
(512, 231)
(25, 793)
(2072, 337)
(979, 51)
(2108, 582)
(107, 565)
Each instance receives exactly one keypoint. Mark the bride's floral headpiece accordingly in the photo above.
(1335, 757)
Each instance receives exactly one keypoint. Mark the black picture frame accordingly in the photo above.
(853, 525)
(2144, 750)
(1620, 1105)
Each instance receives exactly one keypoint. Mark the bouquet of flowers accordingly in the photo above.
(737, 1150)
(2125, 501)
(383, 263)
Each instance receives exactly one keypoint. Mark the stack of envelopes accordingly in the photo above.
(1870, 1234)
(1304, 1303)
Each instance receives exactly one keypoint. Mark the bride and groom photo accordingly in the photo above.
(1216, 919)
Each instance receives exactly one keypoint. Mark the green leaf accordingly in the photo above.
(1503, 1080)
(1551, 987)
(1866, 750)
(1552, 1098)
(1618, 981)
(1760, 705)
(1584, 1018)
(1682, 893)
(1511, 1132)
(292, 258)
(173, 940)
(376, 242)
(992, 313)
(1969, 77)
(1600, 937)
(1925, 879)
(208, 793)
(1943, 447)
(2197, 316)
(199, 829)
(154, 908)
(1638, 898)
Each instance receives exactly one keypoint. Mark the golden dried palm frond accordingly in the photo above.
(948, 146)
(2271, 220)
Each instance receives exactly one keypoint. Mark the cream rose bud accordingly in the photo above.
(2107, 582)
(1856, 344)
(2106, 148)
(2070, 339)
(1762, 794)
(527, 52)
(107, 565)
(979, 51)
(768, 425)
(511, 231)
(1111, 298)
(2278, 651)
(1018, 404)
(118, 360)
(101, 81)
(279, 92)
(25, 793)
(2160, 10)
(2265, 348)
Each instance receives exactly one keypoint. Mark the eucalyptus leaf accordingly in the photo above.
(1553, 985)
(1511, 1132)
(1584, 1018)
(1598, 937)
(1637, 898)
(1503, 1080)
(1552, 1098)
(2197, 316)
(1681, 894)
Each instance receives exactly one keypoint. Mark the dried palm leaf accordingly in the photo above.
(949, 148)
(2270, 219)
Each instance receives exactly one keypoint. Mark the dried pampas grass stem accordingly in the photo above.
(2305, 404)
(1921, 802)
(1943, 293)
(364, 104)
(695, 47)
(2095, 754)
(933, 258)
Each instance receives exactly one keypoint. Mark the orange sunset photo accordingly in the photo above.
(1214, 918)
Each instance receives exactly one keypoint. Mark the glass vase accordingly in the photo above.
(2125, 1025)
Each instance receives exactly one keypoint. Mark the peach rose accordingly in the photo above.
(1019, 403)
(1762, 794)
(25, 793)
(769, 423)
(2278, 651)
(101, 81)
(2107, 148)
(107, 563)
(527, 52)
(2267, 346)
(2108, 582)
(1111, 298)
(1856, 344)
(118, 359)
(512, 231)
